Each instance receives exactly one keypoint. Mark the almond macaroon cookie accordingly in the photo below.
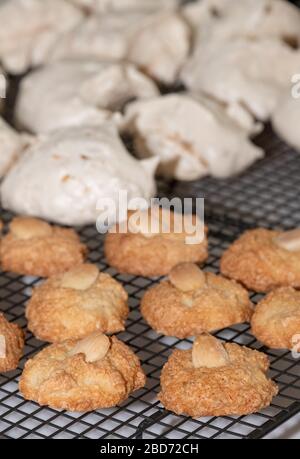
(154, 241)
(276, 321)
(35, 248)
(77, 303)
(96, 372)
(213, 379)
(263, 259)
(11, 345)
(191, 302)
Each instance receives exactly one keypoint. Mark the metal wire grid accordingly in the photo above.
(140, 416)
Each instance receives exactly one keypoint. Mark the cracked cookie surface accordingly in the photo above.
(77, 303)
(35, 248)
(144, 253)
(11, 345)
(260, 260)
(82, 376)
(276, 321)
(214, 379)
(192, 301)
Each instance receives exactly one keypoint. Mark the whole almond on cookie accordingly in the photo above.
(94, 347)
(289, 240)
(187, 277)
(80, 278)
(27, 228)
(209, 352)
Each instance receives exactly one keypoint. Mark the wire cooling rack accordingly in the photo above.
(268, 194)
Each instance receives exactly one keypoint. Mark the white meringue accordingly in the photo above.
(158, 43)
(71, 93)
(161, 46)
(286, 118)
(125, 5)
(64, 174)
(192, 136)
(230, 19)
(199, 13)
(11, 146)
(29, 29)
(3, 88)
(251, 73)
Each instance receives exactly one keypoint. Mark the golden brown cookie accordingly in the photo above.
(96, 372)
(11, 345)
(33, 247)
(263, 260)
(276, 321)
(77, 303)
(192, 301)
(143, 252)
(213, 379)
